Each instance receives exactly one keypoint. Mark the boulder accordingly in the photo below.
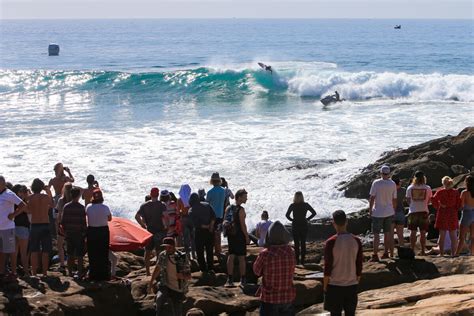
(446, 156)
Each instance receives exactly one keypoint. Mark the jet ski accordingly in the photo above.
(397, 27)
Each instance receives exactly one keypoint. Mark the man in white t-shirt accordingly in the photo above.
(383, 201)
(262, 228)
(8, 200)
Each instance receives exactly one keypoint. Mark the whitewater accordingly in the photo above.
(169, 111)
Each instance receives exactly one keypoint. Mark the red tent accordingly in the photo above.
(126, 235)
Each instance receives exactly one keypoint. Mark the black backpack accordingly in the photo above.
(229, 225)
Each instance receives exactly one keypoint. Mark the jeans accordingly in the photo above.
(299, 237)
(204, 242)
(188, 235)
(174, 298)
(268, 309)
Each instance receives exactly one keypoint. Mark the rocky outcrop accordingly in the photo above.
(446, 156)
(450, 295)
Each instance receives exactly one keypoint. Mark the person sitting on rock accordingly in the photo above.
(342, 268)
(383, 202)
(276, 265)
(174, 271)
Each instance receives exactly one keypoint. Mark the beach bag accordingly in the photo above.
(406, 253)
(229, 226)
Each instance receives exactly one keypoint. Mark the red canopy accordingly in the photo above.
(126, 235)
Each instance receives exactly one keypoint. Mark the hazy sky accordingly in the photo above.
(451, 9)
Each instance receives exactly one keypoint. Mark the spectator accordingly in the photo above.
(342, 268)
(383, 202)
(228, 192)
(150, 217)
(40, 242)
(418, 196)
(467, 219)
(91, 185)
(187, 224)
(299, 224)
(8, 201)
(237, 237)
(399, 218)
(22, 232)
(262, 228)
(74, 228)
(447, 202)
(170, 215)
(203, 218)
(276, 265)
(216, 198)
(63, 200)
(98, 237)
(174, 271)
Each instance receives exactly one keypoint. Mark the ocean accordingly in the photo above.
(143, 103)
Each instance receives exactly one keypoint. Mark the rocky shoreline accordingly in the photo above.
(426, 285)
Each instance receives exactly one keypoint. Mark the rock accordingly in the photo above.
(450, 295)
(446, 156)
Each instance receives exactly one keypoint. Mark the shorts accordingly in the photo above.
(418, 220)
(155, 241)
(399, 218)
(237, 245)
(76, 244)
(467, 218)
(7, 241)
(379, 223)
(22, 232)
(40, 238)
(339, 298)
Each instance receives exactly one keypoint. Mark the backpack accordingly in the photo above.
(406, 253)
(230, 226)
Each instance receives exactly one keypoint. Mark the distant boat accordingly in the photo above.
(53, 50)
(397, 27)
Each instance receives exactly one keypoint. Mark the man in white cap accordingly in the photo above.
(383, 201)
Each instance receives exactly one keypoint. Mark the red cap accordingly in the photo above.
(154, 192)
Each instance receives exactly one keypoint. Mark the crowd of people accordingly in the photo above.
(77, 218)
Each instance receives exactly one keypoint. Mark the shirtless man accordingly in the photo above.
(40, 234)
(60, 179)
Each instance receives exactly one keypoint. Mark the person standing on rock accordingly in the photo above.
(399, 219)
(418, 196)
(40, 243)
(276, 265)
(98, 237)
(299, 224)
(174, 271)
(237, 237)
(467, 219)
(150, 217)
(216, 198)
(203, 218)
(383, 201)
(342, 268)
(74, 227)
(447, 202)
(8, 201)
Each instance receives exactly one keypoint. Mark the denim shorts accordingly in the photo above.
(467, 217)
(399, 218)
(22, 232)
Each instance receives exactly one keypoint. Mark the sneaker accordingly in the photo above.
(374, 258)
(229, 283)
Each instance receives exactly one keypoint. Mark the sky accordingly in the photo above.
(91, 9)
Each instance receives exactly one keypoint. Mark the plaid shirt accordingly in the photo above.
(276, 265)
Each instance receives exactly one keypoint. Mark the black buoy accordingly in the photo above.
(53, 49)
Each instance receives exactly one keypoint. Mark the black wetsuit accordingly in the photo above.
(300, 227)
